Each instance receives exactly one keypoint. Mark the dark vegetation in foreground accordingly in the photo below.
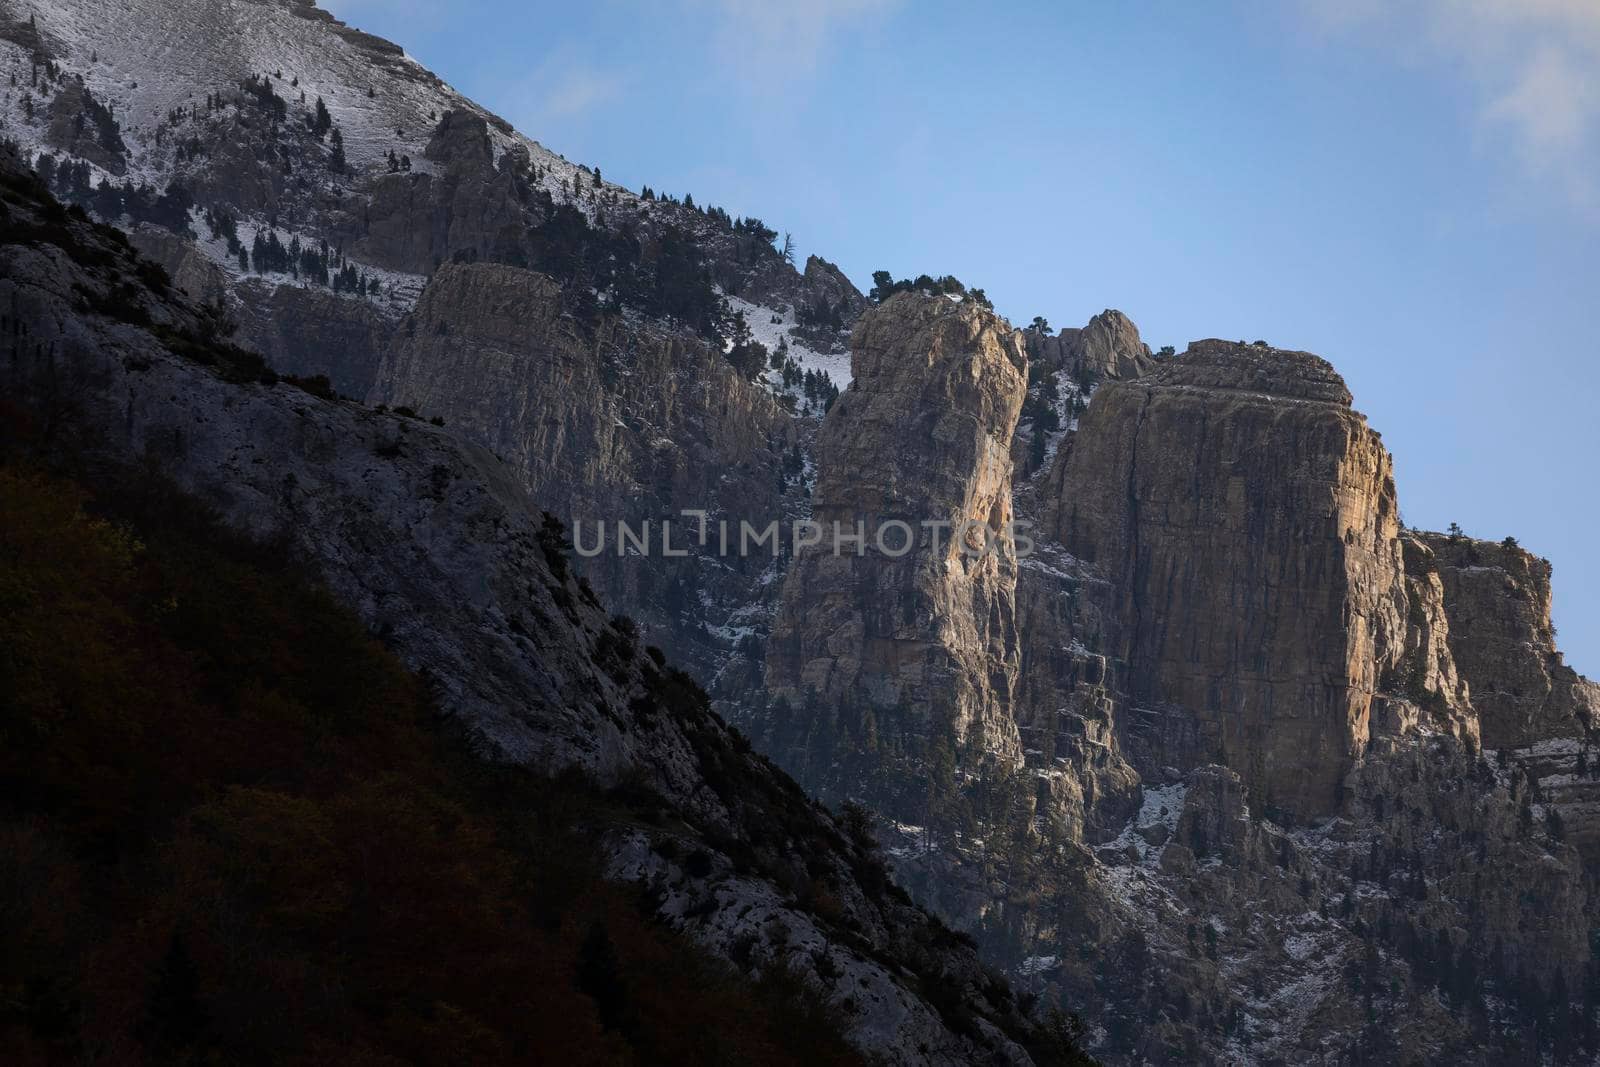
(232, 830)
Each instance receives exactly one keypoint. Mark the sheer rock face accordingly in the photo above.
(625, 424)
(1065, 706)
(922, 435)
(1497, 598)
(309, 331)
(1245, 517)
(416, 221)
(301, 330)
(586, 420)
(201, 279)
(1108, 348)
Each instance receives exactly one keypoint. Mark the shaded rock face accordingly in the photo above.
(826, 302)
(1065, 706)
(922, 435)
(824, 281)
(1107, 349)
(414, 222)
(1497, 597)
(1245, 517)
(306, 332)
(301, 330)
(586, 419)
(621, 424)
(188, 268)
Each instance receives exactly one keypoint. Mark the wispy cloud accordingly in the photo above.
(1532, 68)
(567, 88)
(564, 88)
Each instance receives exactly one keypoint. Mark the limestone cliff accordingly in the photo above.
(415, 221)
(309, 331)
(617, 423)
(1245, 517)
(925, 642)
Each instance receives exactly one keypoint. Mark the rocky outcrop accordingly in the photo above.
(308, 331)
(827, 304)
(824, 281)
(303, 330)
(1497, 598)
(926, 639)
(1245, 517)
(1424, 688)
(414, 222)
(1107, 349)
(614, 423)
(586, 418)
(189, 268)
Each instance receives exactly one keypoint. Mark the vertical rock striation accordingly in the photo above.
(619, 424)
(1245, 516)
(923, 435)
(1108, 348)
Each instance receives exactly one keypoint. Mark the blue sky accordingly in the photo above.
(1414, 196)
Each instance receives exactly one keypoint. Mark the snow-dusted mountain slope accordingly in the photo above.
(154, 56)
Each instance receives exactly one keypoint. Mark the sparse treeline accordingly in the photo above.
(884, 286)
(605, 271)
(71, 180)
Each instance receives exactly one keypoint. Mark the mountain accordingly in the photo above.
(1226, 760)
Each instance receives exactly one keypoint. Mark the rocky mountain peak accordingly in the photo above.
(825, 281)
(915, 327)
(1111, 338)
(1107, 348)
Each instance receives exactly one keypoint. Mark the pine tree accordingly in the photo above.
(336, 160)
(322, 122)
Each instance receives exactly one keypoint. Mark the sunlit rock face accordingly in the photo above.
(923, 435)
(1245, 516)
